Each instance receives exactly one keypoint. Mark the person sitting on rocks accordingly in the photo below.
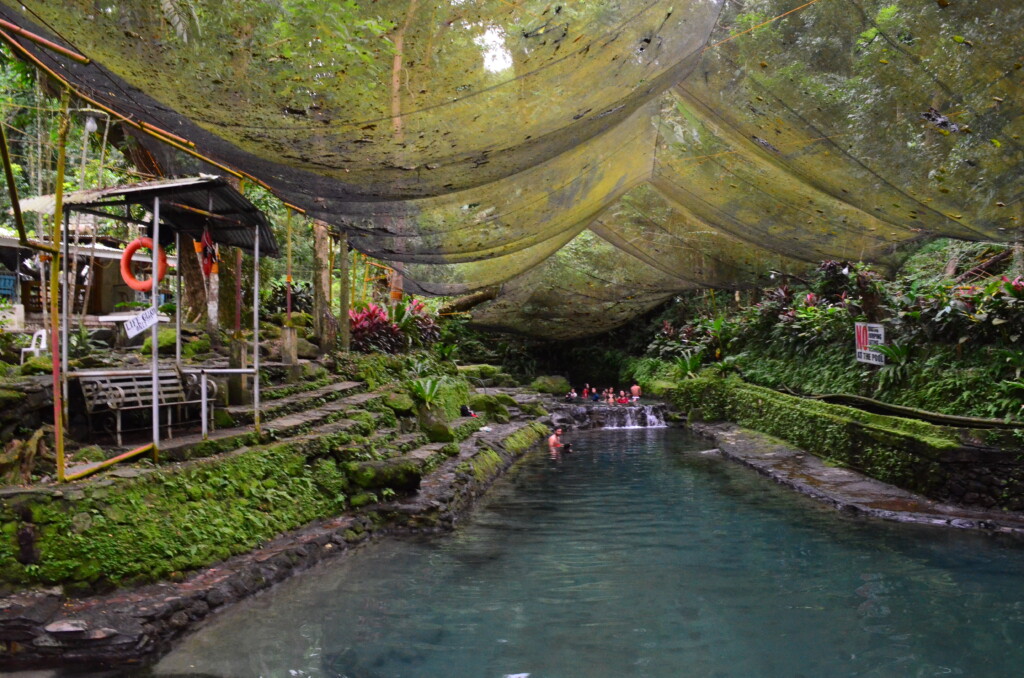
(571, 396)
(623, 398)
(466, 412)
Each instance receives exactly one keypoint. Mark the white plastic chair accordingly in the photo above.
(36, 347)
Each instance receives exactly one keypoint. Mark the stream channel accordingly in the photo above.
(637, 555)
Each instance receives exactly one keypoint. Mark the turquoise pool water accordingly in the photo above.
(637, 555)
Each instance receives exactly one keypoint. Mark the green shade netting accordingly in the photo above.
(596, 157)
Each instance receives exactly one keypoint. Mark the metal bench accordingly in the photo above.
(123, 391)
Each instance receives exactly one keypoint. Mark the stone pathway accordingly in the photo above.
(845, 489)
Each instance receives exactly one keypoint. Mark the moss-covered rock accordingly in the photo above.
(478, 371)
(306, 349)
(270, 331)
(452, 394)
(506, 400)
(90, 454)
(166, 338)
(401, 403)
(554, 384)
(399, 473)
(40, 364)
(489, 407)
(222, 418)
(195, 346)
(9, 399)
(302, 320)
(534, 408)
(434, 423)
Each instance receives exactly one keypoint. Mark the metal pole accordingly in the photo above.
(177, 299)
(256, 331)
(66, 312)
(202, 397)
(155, 334)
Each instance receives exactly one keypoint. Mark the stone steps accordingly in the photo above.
(243, 414)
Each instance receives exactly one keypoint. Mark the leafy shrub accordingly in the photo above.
(424, 391)
(276, 298)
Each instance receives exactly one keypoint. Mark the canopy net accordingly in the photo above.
(591, 158)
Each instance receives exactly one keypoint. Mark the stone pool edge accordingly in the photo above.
(844, 489)
(134, 627)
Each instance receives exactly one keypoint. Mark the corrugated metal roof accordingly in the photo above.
(187, 205)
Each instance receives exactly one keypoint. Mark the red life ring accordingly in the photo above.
(126, 265)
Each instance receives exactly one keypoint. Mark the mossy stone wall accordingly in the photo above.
(915, 455)
(169, 520)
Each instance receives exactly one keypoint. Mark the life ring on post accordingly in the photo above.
(126, 265)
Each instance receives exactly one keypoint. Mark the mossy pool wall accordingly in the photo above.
(966, 466)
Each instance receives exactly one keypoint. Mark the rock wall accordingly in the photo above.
(972, 467)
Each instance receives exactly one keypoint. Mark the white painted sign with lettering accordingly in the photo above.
(868, 335)
(141, 322)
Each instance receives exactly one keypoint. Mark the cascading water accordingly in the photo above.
(580, 416)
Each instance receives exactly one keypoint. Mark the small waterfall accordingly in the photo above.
(581, 416)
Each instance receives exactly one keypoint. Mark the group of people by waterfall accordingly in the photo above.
(607, 395)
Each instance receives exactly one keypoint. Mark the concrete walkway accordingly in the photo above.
(845, 489)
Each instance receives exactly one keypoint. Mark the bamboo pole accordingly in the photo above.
(58, 210)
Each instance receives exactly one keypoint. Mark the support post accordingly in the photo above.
(65, 293)
(288, 275)
(155, 303)
(177, 298)
(205, 406)
(256, 331)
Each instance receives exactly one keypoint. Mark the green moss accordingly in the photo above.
(196, 346)
(452, 394)
(222, 418)
(400, 403)
(166, 338)
(490, 407)
(534, 409)
(39, 364)
(180, 517)
(524, 438)
(484, 466)
(9, 399)
(900, 451)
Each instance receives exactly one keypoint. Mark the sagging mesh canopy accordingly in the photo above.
(595, 157)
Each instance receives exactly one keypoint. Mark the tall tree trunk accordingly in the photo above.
(325, 325)
(226, 307)
(344, 256)
(193, 284)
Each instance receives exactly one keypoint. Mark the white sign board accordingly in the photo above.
(868, 335)
(141, 322)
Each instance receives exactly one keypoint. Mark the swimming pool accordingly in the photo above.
(637, 555)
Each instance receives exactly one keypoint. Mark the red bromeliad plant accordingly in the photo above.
(408, 324)
(372, 330)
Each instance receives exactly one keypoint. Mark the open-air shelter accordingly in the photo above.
(171, 211)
